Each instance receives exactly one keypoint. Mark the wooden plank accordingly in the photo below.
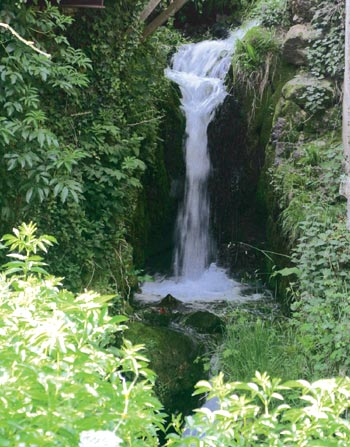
(150, 7)
(171, 10)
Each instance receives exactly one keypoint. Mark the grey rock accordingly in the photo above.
(170, 302)
(297, 39)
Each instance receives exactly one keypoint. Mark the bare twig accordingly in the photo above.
(26, 42)
(81, 113)
(145, 121)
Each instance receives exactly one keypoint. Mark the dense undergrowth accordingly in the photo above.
(65, 383)
(305, 183)
(266, 343)
(313, 220)
(79, 131)
(306, 213)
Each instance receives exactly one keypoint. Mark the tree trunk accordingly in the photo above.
(163, 17)
(346, 113)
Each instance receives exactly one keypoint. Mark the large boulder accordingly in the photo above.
(302, 10)
(173, 357)
(297, 39)
(304, 109)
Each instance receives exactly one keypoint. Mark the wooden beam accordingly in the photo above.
(171, 10)
(150, 7)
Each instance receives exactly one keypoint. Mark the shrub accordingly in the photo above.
(272, 13)
(61, 378)
(257, 414)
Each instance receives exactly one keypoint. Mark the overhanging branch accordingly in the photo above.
(26, 42)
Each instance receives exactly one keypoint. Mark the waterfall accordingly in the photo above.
(202, 88)
(199, 70)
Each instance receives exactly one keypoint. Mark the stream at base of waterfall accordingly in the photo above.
(199, 69)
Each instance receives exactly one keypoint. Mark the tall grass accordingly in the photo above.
(253, 344)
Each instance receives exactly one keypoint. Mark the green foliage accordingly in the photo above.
(63, 383)
(25, 241)
(272, 13)
(78, 132)
(254, 60)
(326, 55)
(317, 98)
(36, 160)
(322, 307)
(61, 378)
(253, 344)
(307, 184)
(313, 221)
(258, 413)
(210, 7)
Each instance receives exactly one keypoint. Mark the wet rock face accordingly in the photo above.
(296, 42)
(302, 10)
(173, 357)
(235, 170)
(225, 145)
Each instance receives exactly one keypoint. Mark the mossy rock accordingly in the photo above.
(173, 356)
(204, 322)
(303, 89)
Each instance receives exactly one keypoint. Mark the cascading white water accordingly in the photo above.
(199, 70)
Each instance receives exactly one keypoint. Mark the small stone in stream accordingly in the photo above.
(169, 302)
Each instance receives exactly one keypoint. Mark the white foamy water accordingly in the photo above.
(212, 285)
(199, 70)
